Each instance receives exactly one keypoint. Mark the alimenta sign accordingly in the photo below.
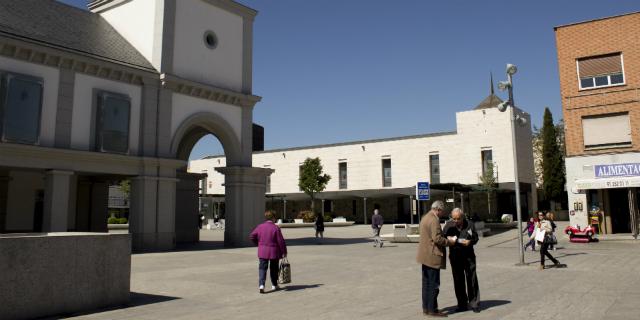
(617, 170)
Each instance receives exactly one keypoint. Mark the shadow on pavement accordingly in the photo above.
(135, 299)
(325, 241)
(300, 287)
(488, 304)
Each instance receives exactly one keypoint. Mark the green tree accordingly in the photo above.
(553, 178)
(312, 180)
(488, 183)
(125, 186)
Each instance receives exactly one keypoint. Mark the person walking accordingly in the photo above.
(463, 261)
(271, 248)
(531, 227)
(545, 226)
(319, 226)
(550, 217)
(376, 225)
(431, 255)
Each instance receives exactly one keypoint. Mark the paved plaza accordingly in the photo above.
(347, 278)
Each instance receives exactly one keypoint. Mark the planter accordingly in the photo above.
(297, 221)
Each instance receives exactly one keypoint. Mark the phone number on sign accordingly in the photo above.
(617, 184)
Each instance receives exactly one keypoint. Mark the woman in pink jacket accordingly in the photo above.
(271, 248)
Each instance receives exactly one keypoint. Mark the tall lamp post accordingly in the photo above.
(515, 118)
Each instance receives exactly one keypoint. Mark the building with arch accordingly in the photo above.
(124, 90)
(383, 172)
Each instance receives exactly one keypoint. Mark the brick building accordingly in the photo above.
(599, 68)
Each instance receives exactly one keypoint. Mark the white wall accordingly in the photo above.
(51, 78)
(21, 199)
(83, 97)
(184, 106)
(136, 21)
(460, 157)
(193, 60)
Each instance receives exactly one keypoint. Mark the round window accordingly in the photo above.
(210, 39)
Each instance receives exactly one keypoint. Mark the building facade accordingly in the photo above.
(124, 91)
(383, 173)
(599, 68)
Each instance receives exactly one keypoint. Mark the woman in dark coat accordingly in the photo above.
(319, 226)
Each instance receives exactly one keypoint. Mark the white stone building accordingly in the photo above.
(384, 172)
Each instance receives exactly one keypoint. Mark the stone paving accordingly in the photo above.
(347, 278)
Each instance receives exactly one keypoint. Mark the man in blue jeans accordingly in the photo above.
(431, 254)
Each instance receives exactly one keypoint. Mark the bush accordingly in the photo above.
(306, 216)
(113, 220)
(328, 218)
(122, 221)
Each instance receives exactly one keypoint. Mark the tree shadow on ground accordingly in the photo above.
(136, 299)
(301, 287)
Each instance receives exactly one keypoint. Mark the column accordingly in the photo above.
(56, 200)
(244, 202)
(152, 213)
(365, 210)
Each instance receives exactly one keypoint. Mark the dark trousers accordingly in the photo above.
(544, 251)
(273, 271)
(430, 288)
(465, 281)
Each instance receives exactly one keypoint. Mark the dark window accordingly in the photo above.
(586, 83)
(386, 172)
(434, 168)
(487, 160)
(268, 187)
(112, 134)
(617, 78)
(342, 168)
(20, 107)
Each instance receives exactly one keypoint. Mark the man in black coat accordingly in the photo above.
(463, 260)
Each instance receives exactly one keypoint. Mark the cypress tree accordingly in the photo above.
(552, 160)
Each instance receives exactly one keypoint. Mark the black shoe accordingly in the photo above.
(476, 309)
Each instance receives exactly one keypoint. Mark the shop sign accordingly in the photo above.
(586, 184)
(617, 170)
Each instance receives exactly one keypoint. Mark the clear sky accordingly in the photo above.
(341, 70)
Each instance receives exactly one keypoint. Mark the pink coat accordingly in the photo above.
(270, 241)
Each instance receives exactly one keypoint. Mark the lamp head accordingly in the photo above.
(502, 106)
(503, 85)
(511, 69)
(521, 120)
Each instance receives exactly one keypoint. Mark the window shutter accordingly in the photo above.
(606, 130)
(594, 66)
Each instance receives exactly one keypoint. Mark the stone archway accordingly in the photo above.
(245, 186)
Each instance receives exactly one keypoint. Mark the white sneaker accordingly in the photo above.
(274, 288)
(261, 288)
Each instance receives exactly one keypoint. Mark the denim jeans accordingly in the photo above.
(273, 268)
(430, 288)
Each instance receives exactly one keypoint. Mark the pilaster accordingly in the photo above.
(56, 200)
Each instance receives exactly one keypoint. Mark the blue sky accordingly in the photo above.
(340, 70)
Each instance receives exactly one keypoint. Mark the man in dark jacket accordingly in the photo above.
(463, 260)
(376, 224)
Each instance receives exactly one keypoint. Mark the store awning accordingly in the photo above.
(608, 183)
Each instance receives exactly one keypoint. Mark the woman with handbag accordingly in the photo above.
(545, 226)
(271, 248)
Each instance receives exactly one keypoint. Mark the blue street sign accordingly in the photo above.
(422, 191)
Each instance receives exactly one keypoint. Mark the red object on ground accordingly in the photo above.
(580, 235)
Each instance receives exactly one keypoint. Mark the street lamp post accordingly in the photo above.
(509, 104)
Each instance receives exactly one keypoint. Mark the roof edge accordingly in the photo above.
(593, 20)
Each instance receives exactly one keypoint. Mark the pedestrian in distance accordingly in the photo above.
(271, 248)
(531, 227)
(463, 260)
(550, 216)
(431, 255)
(376, 225)
(544, 226)
(319, 226)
